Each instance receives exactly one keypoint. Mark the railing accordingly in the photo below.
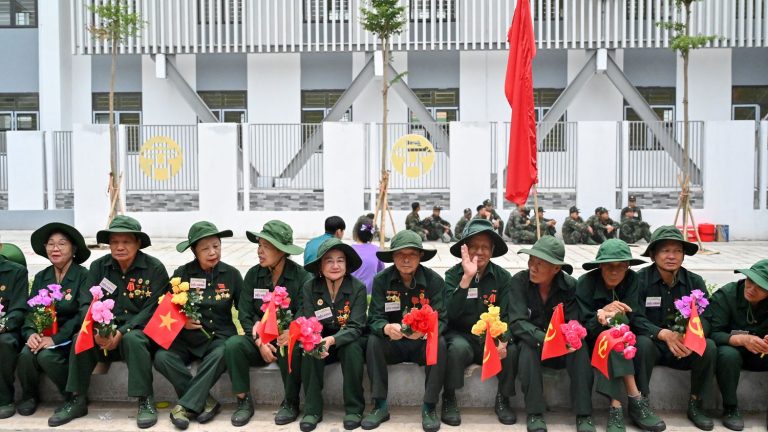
(161, 158)
(62, 159)
(273, 147)
(3, 163)
(437, 178)
(243, 26)
(649, 165)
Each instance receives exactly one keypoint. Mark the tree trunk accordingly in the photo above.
(114, 177)
(686, 162)
(383, 184)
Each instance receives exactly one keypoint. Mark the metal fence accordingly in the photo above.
(556, 156)
(649, 164)
(62, 160)
(437, 178)
(3, 163)
(274, 146)
(161, 158)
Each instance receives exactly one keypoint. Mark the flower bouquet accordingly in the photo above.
(188, 301)
(44, 310)
(310, 336)
(490, 320)
(683, 309)
(574, 333)
(417, 320)
(101, 312)
(627, 338)
(279, 296)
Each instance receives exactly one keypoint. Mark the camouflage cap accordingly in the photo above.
(467, 210)
(488, 203)
(541, 210)
(632, 198)
(574, 209)
(437, 207)
(600, 210)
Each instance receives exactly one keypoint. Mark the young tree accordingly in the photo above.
(384, 18)
(114, 23)
(683, 42)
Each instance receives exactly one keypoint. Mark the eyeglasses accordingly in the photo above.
(60, 246)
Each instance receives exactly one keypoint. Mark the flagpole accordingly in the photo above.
(536, 211)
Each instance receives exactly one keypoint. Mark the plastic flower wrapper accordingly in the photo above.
(43, 306)
(417, 320)
(574, 333)
(311, 337)
(188, 301)
(101, 312)
(491, 320)
(683, 309)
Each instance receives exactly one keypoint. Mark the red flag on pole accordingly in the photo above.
(694, 333)
(522, 171)
(85, 336)
(554, 341)
(54, 328)
(268, 329)
(491, 360)
(294, 331)
(432, 339)
(166, 323)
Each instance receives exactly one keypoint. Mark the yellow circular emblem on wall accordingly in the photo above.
(413, 155)
(160, 158)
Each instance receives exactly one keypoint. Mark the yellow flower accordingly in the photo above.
(184, 286)
(498, 328)
(175, 289)
(180, 298)
(494, 311)
(479, 328)
(175, 281)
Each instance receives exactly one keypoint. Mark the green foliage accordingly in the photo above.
(681, 40)
(114, 22)
(384, 18)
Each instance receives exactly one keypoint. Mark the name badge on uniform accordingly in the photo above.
(739, 332)
(323, 313)
(197, 283)
(391, 306)
(259, 294)
(472, 293)
(107, 285)
(653, 302)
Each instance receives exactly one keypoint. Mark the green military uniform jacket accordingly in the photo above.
(136, 292)
(67, 309)
(730, 313)
(529, 315)
(258, 279)
(651, 315)
(572, 225)
(428, 288)
(493, 289)
(460, 227)
(14, 291)
(347, 319)
(223, 286)
(413, 222)
(592, 295)
(638, 213)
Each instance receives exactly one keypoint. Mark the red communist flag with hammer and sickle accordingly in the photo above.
(603, 347)
(554, 341)
(694, 333)
(491, 360)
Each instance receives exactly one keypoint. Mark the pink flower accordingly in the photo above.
(308, 346)
(619, 347)
(629, 352)
(1, 309)
(623, 328)
(96, 292)
(629, 338)
(101, 311)
(56, 291)
(615, 333)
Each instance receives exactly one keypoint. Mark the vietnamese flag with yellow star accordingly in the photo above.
(85, 336)
(166, 322)
(491, 359)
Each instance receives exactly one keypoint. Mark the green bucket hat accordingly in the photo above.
(40, 237)
(201, 230)
(279, 234)
(403, 240)
(612, 250)
(478, 226)
(670, 232)
(551, 250)
(758, 273)
(123, 224)
(353, 259)
(13, 253)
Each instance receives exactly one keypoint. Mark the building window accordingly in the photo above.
(442, 104)
(127, 112)
(326, 11)
(749, 102)
(433, 10)
(543, 99)
(18, 13)
(19, 111)
(662, 101)
(227, 106)
(317, 104)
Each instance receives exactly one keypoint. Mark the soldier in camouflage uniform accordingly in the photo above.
(632, 226)
(575, 230)
(438, 227)
(498, 223)
(603, 227)
(466, 217)
(413, 221)
(520, 230)
(547, 226)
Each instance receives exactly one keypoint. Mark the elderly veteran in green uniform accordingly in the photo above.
(471, 286)
(738, 315)
(274, 269)
(533, 296)
(135, 281)
(339, 301)
(219, 285)
(14, 290)
(609, 289)
(396, 289)
(660, 285)
(65, 248)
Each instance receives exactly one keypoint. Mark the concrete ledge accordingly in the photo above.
(669, 388)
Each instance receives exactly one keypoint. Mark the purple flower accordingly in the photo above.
(56, 291)
(96, 292)
(683, 306)
(40, 300)
(1, 309)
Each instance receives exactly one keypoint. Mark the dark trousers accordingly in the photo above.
(651, 353)
(381, 351)
(618, 368)
(352, 358)
(192, 391)
(53, 362)
(730, 361)
(579, 370)
(241, 353)
(134, 349)
(467, 349)
(10, 343)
